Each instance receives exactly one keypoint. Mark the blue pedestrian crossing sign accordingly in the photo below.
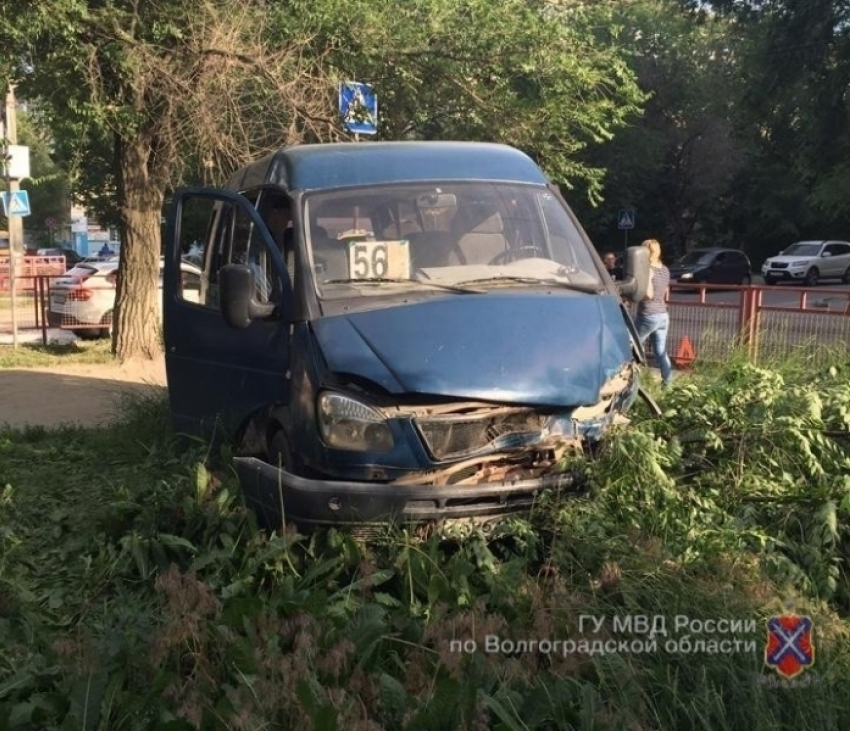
(358, 107)
(626, 218)
(16, 203)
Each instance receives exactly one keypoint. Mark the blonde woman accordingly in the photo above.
(653, 320)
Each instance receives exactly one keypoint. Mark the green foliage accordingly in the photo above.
(675, 161)
(722, 123)
(531, 74)
(793, 119)
(141, 97)
(137, 593)
(745, 460)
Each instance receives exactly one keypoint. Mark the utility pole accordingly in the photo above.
(15, 223)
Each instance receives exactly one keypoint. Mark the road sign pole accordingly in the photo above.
(625, 221)
(10, 137)
(13, 286)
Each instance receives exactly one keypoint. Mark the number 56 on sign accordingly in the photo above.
(379, 260)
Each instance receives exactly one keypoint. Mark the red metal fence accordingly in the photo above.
(27, 268)
(31, 274)
(30, 312)
(709, 322)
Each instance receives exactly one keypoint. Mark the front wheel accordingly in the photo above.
(846, 278)
(769, 281)
(811, 277)
(267, 507)
(747, 280)
(278, 452)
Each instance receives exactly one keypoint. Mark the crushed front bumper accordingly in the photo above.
(275, 495)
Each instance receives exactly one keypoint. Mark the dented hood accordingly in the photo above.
(544, 348)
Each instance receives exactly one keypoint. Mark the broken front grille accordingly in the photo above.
(447, 437)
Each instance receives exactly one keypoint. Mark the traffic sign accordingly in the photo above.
(17, 162)
(626, 218)
(358, 107)
(16, 203)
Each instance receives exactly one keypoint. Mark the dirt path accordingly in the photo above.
(88, 395)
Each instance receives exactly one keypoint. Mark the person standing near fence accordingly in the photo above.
(653, 319)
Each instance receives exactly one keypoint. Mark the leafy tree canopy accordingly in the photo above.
(142, 95)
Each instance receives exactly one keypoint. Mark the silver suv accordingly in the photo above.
(809, 262)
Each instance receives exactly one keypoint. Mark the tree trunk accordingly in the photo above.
(137, 316)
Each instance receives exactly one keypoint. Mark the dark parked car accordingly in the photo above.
(407, 330)
(72, 258)
(712, 266)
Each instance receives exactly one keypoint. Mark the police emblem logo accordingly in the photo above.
(790, 646)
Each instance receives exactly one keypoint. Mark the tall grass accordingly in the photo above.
(136, 592)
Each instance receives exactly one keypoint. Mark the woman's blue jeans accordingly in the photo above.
(655, 327)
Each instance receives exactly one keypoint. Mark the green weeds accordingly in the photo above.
(136, 592)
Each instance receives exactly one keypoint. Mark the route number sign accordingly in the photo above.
(379, 260)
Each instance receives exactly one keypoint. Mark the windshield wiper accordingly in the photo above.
(400, 280)
(587, 289)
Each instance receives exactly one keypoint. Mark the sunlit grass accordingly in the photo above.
(95, 352)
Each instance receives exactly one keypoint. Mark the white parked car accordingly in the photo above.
(809, 262)
(83, 298)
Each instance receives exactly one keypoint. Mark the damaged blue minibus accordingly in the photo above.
(394, 331)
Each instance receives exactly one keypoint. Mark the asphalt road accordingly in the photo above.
(778, 295)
